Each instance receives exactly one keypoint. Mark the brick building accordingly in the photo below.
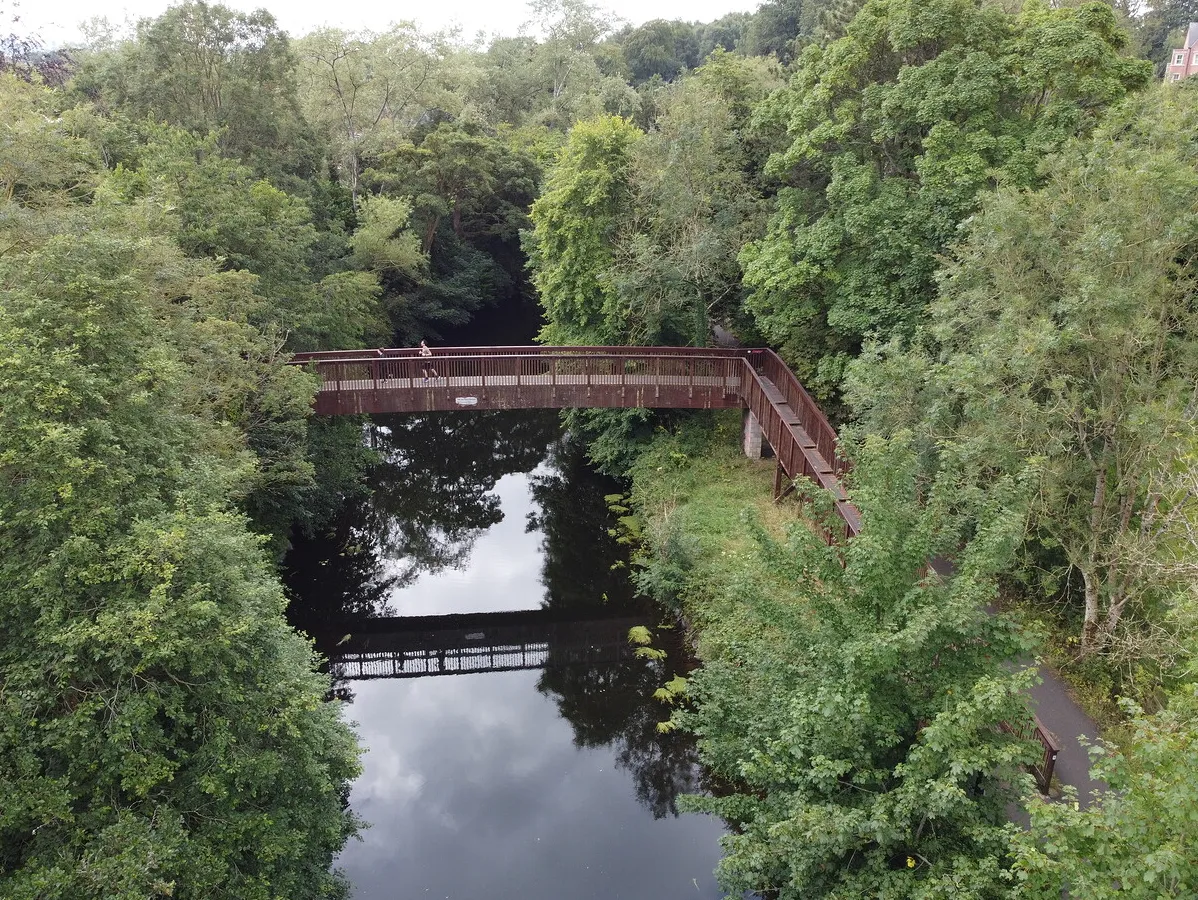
(1183, 61)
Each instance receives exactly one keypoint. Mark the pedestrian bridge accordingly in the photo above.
(779, 409)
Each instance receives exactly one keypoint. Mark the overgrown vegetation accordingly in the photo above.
(967, 225)
(849, 698)
(162, 731)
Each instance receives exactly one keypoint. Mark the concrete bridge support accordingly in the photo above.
(751, 436)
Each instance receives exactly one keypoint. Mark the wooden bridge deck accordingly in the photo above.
(389, 381)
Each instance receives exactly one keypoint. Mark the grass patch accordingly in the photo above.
(695, 494)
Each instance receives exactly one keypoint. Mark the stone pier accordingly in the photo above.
(751, 435)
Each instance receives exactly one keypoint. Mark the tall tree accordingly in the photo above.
(366, 89)
(662, 48)
(216, 209)
(205, 67)
(576, 224)
(778, 26)
(1065, 340)
(693, 205)
(161, 729)
(894, 130)
(852, 701)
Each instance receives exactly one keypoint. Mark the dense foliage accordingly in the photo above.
(1064, 340)
(966, 224)
(893, 131)
(848, 699)
(136, 759)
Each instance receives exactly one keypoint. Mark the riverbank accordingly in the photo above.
(851, 699)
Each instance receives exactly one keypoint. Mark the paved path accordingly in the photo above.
(1061, 715)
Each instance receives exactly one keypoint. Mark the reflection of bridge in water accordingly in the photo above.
(418, 646)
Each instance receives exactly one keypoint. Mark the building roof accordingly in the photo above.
(1191, 36)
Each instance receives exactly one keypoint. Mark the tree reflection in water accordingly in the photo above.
(432, 496)
(433, 490)
(586, 566)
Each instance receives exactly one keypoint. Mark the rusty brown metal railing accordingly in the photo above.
(393, 380)
(1042, 770)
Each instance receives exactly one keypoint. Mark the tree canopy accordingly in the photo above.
(893, 132)
(967, 225)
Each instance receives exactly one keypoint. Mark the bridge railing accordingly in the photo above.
(808, 450)
(525, 350)
(601, 367)
(814, 422)
(1042, 770)
(805, 442)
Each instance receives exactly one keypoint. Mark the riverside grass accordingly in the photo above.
(846, 700)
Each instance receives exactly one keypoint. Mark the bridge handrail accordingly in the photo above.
(812, 417)
(817, 462)
(318, 356)
(815, 457)
(443, 357)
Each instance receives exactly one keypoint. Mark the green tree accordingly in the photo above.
(568, 30)
(1139, 839)
(894, 131)
(777, 27)
(469, 190)
(366, 88)
(566, 58)
(462, 174)
(725, 33)
(575, 227)
(509, 87)
(48, 164)
(659, 47)
(216, 209)
(692, 207)
(161, 729)
(207, 68)
(1065, 341)
(850, 699)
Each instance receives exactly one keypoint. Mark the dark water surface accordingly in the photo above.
(549, 780)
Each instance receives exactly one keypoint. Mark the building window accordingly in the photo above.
(1178, 59)
(1174, 77)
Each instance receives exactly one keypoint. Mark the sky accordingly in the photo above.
(57, 22)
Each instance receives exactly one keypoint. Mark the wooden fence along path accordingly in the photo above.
(804, 442)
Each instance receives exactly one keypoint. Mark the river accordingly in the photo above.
(540, 773)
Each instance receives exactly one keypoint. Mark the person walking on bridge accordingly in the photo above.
(425, 365)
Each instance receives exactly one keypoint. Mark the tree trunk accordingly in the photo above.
(1090, 573)
(1090, 621)
(353, 179)
(431, 233)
